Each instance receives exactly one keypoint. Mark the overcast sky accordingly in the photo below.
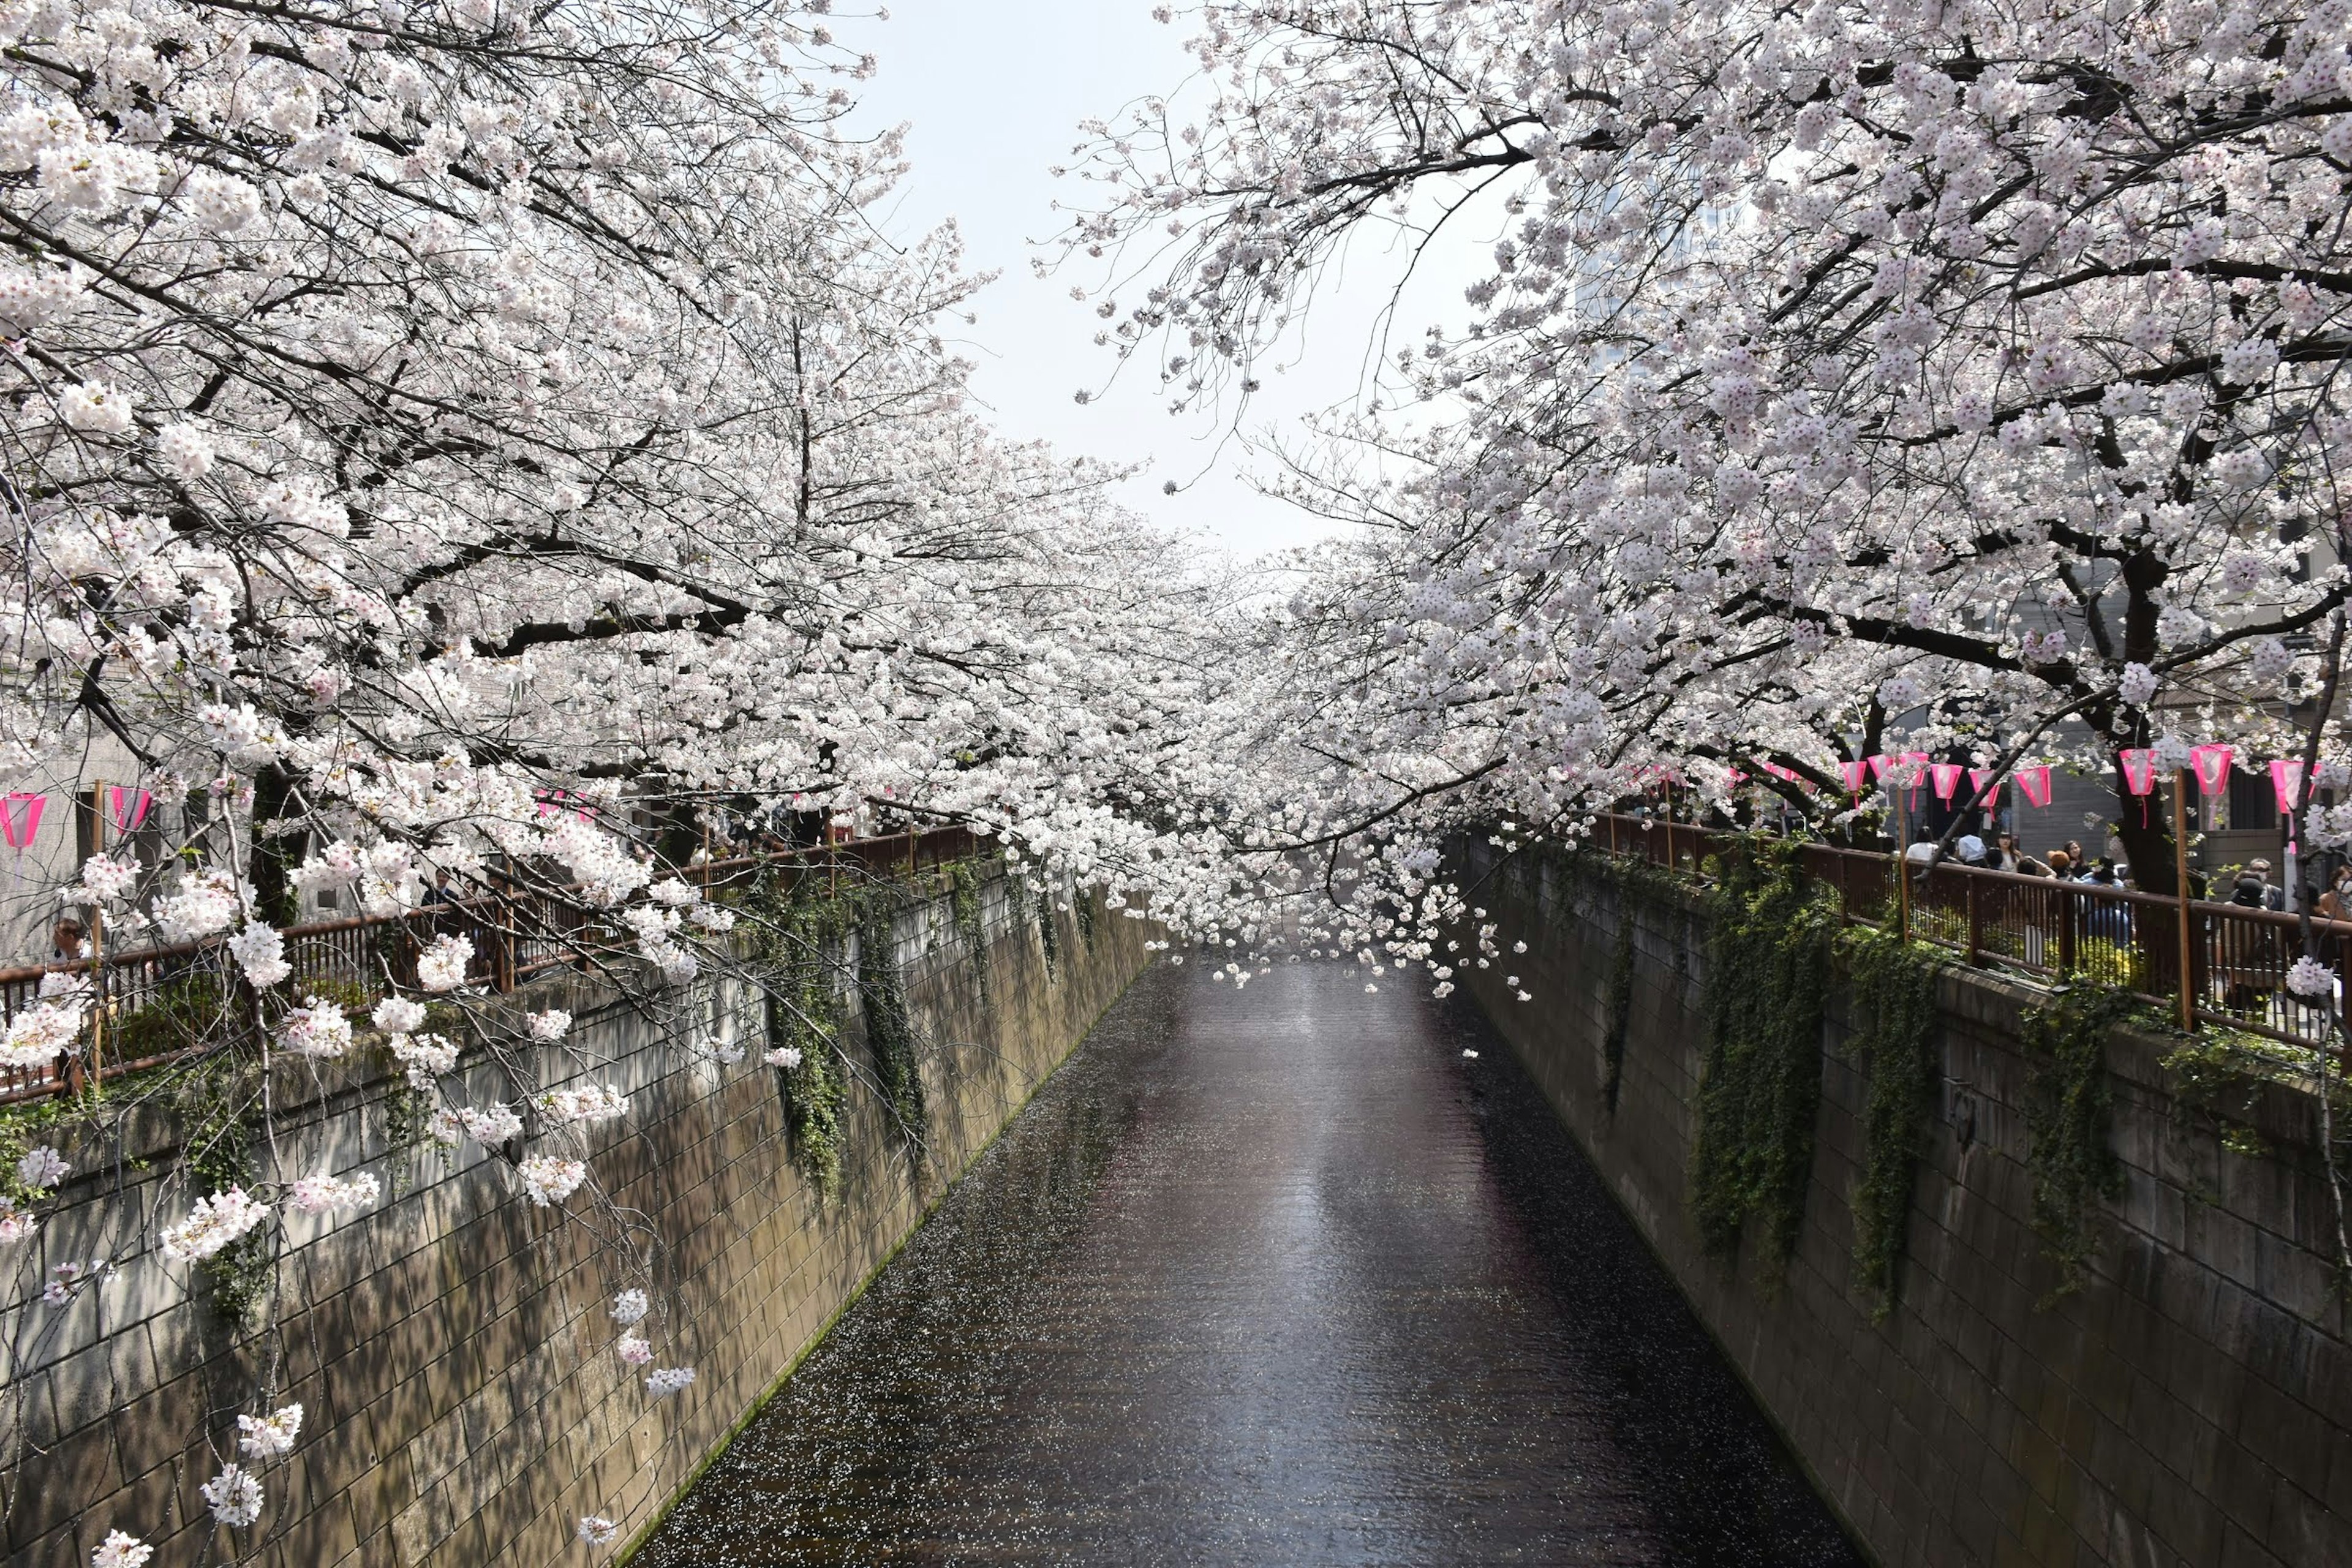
(994, 90)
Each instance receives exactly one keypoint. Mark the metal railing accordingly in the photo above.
(147, 1001)
(2048, 928)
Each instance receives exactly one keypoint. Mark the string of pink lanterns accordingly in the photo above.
(2141, 765)
(20, 813)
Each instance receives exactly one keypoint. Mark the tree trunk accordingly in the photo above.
(2143, 823)
(274, 896)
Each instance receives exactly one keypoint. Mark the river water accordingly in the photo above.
(1273, 1278)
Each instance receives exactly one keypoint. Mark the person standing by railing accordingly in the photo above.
(2008, 856)
(2110, 918)
(2249, 962)
(2253, 888)
(2336, 903)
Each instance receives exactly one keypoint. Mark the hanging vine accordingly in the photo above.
(966, 903)
(216, 1100)
(2217, 1075)
(1049, 934)
(795, 948)
(2068, 1113)
(1636, 881)
(1767, 987)
(1621, 1009)
(1894, 1017)
(882, 997)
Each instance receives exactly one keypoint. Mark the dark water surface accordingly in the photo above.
(1268, 1279)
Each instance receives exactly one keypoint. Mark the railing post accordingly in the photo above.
(1901, 873)
(1976, 921)
(2069, 905)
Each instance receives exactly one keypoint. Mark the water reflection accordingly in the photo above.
(1277, 1278)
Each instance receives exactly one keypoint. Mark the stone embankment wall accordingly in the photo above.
(453, 1351)
(2191, 1405)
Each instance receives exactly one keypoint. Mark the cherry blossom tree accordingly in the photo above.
(459, 451)
(1966, 367)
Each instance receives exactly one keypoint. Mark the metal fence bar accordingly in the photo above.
(516, 937)
(2217, 963)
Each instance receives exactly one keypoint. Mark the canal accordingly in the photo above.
(1281, 1277)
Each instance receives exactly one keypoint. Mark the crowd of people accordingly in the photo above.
(2250, 887)
(2247, 963)
(2069, 863)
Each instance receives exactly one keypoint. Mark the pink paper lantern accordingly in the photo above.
(2211, 765)
(127, 808)
(20, 818)
(2286, 783)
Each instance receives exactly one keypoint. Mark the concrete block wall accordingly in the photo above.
(2191, 1405)
(453, 1351)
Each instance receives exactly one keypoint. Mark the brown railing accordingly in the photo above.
(2046, 927)
(149, 999)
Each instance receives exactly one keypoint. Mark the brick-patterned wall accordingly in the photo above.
(2191, 1405)
(453, 1351)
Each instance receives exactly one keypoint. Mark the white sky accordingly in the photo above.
(993, 91)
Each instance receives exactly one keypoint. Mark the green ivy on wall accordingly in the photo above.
(2068, 1114)
(802, 951)
(1027, 905)
(1894, 1001)
(1767, 987)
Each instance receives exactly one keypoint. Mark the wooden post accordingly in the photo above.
(512, 913)
(2187, 977)
(2069, 905)
(98, 941)
(1902, 870)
